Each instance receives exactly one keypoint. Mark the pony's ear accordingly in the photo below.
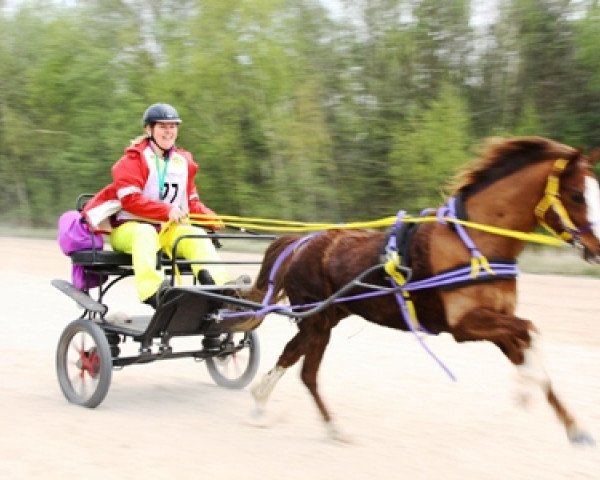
(594, 156)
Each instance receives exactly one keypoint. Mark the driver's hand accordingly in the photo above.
(176, 214)
(218, 225)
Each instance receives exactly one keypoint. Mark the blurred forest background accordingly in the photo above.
(291, 109)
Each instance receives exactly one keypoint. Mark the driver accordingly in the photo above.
(153, 182)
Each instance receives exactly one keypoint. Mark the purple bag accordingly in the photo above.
(74, 235)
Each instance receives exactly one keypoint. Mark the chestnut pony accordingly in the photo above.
(504, 188)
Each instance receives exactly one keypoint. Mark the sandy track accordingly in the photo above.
(407, 419)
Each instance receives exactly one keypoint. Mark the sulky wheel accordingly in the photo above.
(84, 363)
(236, 370)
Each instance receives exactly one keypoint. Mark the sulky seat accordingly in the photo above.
(107, 260)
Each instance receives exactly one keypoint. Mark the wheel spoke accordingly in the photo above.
(77, 384)
(236, 365)
(83, 386)
(233, 366)
(81, 364)
(237, 368)
(84, 363)
(73, 348)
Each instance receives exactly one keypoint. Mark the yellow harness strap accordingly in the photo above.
(551, 199)
(393, 261)
(477, 263)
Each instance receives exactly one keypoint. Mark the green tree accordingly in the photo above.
(531, 62)
(18, 153)
(67, 109)
(530, 122)
(243, 80)
(587, 39)
(429, 149)
(288, 112)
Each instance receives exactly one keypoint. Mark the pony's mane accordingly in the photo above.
(501, 157)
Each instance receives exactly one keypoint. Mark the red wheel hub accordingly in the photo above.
(89, 362)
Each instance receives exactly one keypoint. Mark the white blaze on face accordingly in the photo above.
(592, 200)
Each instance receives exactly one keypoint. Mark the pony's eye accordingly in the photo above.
(578, 197)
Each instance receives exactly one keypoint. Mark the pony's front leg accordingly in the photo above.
(532, 371)
(518, 340)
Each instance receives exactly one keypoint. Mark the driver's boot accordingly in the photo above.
(154, 299)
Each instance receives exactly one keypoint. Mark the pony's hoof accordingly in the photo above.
(258, 411)
(581, 437)
(257, 418)
(333, 433)
(522, 399)
(258, 415)
(261, 418)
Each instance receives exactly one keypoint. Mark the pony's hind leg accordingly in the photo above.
(261, 391)
(310, 368)
(519, 341)
(310, 343)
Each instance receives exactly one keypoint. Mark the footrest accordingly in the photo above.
(82, 298)
(132, 324)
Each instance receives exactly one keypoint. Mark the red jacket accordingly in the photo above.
(131, 193)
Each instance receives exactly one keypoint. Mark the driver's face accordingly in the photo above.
(165, 134)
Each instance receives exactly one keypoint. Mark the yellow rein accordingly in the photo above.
(283, 226)
(551, 199)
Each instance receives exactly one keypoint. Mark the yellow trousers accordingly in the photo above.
(142, 242)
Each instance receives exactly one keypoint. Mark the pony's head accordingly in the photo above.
(571, 206)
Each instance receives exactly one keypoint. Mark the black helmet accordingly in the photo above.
(160, 112)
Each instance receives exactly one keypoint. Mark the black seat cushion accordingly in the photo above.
(103, 257)
(110, 258)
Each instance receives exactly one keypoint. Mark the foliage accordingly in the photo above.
(290, 112)
(431, 147)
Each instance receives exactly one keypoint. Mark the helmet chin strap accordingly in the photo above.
(163, 150)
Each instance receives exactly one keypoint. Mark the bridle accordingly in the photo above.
(551, 201)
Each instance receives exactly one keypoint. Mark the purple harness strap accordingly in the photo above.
(390, 248)
(446, 279)
(449, 210)
(282, 256)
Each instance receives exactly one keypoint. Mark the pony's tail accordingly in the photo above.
(261, 284)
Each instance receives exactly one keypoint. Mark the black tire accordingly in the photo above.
(84, 363)
(238, 369)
